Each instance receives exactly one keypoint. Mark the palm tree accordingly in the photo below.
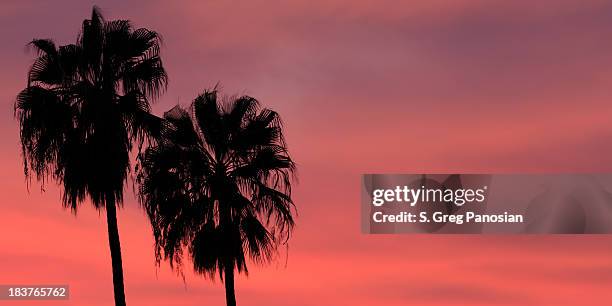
(84, 106)
(217, 185)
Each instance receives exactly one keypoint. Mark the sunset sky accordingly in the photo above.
(363, 87)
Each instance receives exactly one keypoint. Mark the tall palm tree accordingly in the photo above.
(84, 106)
(217, 185)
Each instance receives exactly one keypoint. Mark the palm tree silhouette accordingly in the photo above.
(84, 106)
(217, 185)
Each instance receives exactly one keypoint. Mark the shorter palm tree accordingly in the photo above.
(217, 185)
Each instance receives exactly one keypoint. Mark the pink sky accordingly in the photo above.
(381, 86)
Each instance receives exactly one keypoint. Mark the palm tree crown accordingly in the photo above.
(217, 184)
(84, 106)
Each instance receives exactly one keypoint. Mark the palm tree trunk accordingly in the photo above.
(230, 294)
(115, 249)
